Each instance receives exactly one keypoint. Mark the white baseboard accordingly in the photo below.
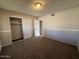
(7, 45)
(14, 42)
(0, 45)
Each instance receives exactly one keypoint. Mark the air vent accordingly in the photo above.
(52, 14)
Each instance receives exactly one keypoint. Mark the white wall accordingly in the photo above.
(5, 29)
(64, 26)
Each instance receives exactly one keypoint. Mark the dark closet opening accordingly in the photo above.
(16, 29)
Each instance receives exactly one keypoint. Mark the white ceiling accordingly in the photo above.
(26, 6)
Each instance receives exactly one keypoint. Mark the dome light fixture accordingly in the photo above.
(38, 5)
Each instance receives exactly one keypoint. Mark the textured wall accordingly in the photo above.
(64, 26)
(78, 44)
(5, 29)
(66, 36)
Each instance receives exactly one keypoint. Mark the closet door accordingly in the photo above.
(16, 29)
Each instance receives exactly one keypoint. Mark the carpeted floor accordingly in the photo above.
(39, 48)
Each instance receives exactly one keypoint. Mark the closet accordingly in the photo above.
(16, 28)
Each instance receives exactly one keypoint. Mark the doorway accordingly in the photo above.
(38, 27)
(41, 27)
(16, 29)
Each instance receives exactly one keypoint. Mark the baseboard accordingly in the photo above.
(61, 42)
(7, 45)
(17, 39)
(14, 42)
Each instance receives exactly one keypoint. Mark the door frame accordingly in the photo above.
(20, 25)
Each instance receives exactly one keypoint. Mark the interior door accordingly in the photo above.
(16, 31)
(41, 27)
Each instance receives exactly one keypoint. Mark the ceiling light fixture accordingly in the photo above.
(38, 5)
